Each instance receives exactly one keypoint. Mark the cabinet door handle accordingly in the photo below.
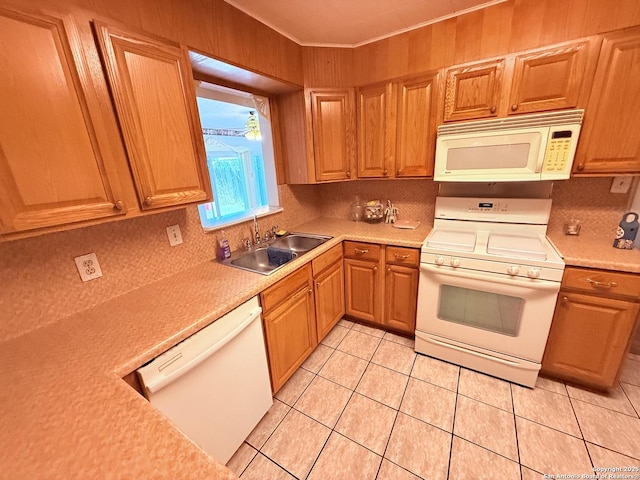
(401, 257)
(596, 283)
(361, 251)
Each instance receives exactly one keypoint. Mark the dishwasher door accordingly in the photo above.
(214, 386)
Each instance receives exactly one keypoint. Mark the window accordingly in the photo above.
(239, 148)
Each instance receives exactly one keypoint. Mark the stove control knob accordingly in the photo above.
(454, 262)
(533, 273)
(439, 260)
(513, 270)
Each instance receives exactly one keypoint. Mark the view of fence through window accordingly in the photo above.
(236, 163)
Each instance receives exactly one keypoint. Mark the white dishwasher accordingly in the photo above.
(214, 386)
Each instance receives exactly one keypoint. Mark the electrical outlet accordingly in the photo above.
(621, 184)
(175, 237)
(88, 267)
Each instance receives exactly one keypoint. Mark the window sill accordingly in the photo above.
(242, 219)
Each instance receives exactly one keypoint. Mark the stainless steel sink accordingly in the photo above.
(257, 260)
(298, 242)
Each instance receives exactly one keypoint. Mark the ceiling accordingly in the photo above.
(350, 23)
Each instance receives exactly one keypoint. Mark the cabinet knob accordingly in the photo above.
(119, 205)
(311, 291)
(148, 201)
(565, 299)
(375, 269)
(385, 172)
(348, 174)
(514, 107)
(493, 109)
(389, 269)
(318, 284)
(581, 166)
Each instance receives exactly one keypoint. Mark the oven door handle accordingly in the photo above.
(512, 281)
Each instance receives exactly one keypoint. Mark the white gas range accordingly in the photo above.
(488, 285)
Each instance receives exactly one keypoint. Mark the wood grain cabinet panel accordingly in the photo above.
(549, 79)
(401, 298)
(329, 298)
(473, 91)
(397, 128)
(589, 338)
(152, 87)
(53, 170)
(609, 142)
(333, 129)
(289, 324)
(363, 290)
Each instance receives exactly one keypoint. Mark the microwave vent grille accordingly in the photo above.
(564, 117)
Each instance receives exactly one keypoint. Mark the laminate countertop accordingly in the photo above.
(66, 412)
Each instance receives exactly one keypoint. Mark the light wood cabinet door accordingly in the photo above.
(609, 140)
(416, 126)
(549, 79)
(333, 131)
(363, 289)
(152, 88)
(401, 298)
(329, 298)
(376, 131)
(52, 168)
(588, 339)
(473, 91)
(291, 335)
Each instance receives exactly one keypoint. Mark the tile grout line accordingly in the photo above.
(453, 424)
(515, 427)
(628, 399)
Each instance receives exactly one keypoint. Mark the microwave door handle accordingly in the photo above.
(542, 153)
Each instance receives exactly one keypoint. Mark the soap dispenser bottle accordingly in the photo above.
(224, 251)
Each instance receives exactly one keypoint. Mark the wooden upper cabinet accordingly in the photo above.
(473, 91)
(152, 87)
(416, 126)
(333, 133)
(549, 79)
(52, 168)
(376, 130)
(609, 142)
(397, 128)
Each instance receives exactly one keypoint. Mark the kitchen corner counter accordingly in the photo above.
(66, 411)
(595, 251)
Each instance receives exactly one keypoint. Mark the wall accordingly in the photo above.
(41, 285)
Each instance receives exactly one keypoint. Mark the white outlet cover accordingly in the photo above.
(88, 267)
(621, 184)
(174, 235)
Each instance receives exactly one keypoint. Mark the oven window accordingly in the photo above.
(485, 310)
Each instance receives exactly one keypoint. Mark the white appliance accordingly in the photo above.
(489, 279)
(214, 386)
(523, 148)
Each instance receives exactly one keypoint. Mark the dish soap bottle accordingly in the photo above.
(224, 251)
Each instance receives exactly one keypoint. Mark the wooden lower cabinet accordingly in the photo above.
(590, 333)
(290, 324)
(401, 298)
(329, 297)
(387, 300)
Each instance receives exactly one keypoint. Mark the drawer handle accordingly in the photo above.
(596, 283)
(361, 251)
(401, 257)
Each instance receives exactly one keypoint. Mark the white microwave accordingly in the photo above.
(516, 149)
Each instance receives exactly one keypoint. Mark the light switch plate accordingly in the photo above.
(621, 184)
(88, 267)
(175, 237)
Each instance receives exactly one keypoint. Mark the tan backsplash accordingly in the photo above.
(40, 282)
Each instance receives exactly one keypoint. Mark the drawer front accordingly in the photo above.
(602, 282)
(277, 293)
(328, 258)
(409, 257)
(362, 251)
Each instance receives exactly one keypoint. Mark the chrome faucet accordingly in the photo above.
(256, 236)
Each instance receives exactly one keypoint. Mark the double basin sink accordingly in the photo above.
(267, 258)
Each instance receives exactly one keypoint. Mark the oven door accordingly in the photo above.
(509, 315)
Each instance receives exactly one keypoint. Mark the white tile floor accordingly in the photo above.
(366, 406)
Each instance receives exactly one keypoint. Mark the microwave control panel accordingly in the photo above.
(558, 155)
